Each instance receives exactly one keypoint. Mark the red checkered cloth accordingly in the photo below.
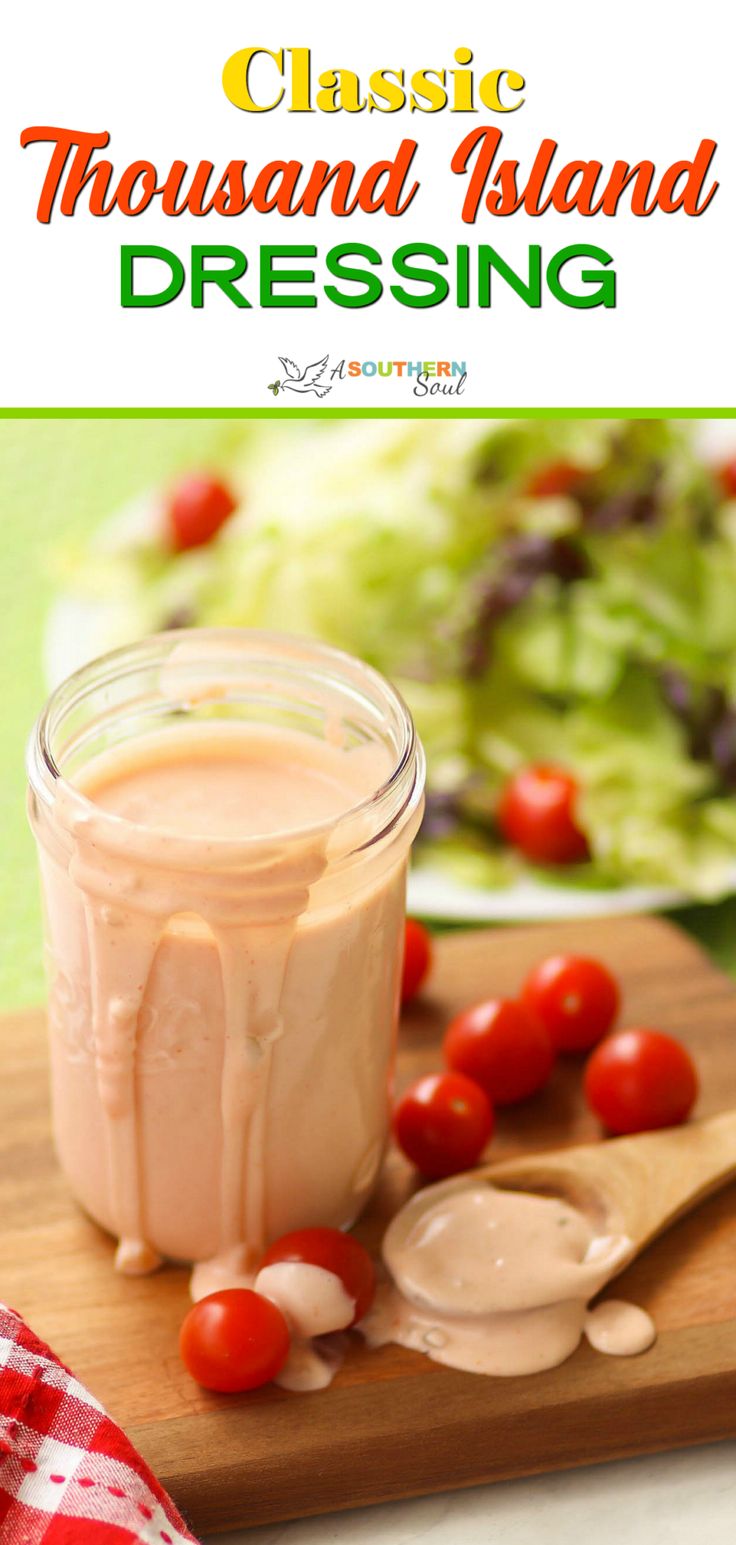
(68, 1475)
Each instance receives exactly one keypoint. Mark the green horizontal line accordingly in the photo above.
(332, 413)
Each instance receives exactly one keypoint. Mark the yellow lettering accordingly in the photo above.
(429, 91)
(462, 96)
(235, 79)
(340, 91)
(301, 93)
(389, 91)
(490, 90)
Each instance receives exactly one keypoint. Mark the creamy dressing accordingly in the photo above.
(227, 782)
(315, 1304)
(498, 1282)
(314, 1301)
(220, 1041)
(621, 1330)
(311, 1365)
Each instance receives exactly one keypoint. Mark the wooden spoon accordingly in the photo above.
(635, 1186)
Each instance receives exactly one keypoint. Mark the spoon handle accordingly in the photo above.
(643, 1183)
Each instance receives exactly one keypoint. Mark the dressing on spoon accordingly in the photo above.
(498, 1282)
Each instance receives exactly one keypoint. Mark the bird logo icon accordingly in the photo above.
(296, 380)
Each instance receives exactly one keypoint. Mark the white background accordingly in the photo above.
(634, 79)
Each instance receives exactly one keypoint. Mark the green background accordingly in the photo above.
(58, 479)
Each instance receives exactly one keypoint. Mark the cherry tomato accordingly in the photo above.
(556, 478)
(443, 1123)
(334, 1251)
(234, 1340)
(727, 474)
(417, 958)
(502, 1047)
(576, 999)
(536, 814)
(198, 506)
(640, 1079)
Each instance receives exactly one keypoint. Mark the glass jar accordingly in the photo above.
(222, 1007)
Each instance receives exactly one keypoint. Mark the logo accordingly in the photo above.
(296, 380)
(421, 377)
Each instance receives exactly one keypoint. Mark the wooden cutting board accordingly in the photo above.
(394, 1424)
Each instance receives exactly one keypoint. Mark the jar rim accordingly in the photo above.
(389, 804)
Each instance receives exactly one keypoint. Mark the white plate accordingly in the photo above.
(433, 894)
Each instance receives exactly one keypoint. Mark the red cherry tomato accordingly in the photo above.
(638, 1080)
(334, 1251)
(443, 1123)
(234, 1340)
(198, 506)
(556, 478)
(727, 474)
(502, 1047)
(536, 814)
(417, 958)
(576, 999)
